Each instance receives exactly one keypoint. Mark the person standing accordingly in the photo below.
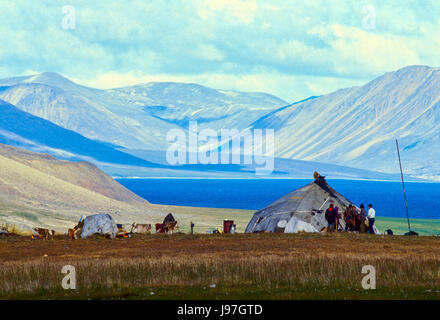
(356, 218)
(363, 217)
(348, 217)
(371, 218)
(331, 218)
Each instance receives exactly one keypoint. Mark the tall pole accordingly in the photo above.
(403, 184)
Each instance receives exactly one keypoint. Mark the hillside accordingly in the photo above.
(37, 189)
(122, 130)
(357, 126)
(83, 174)
(23, 129)
(135, 117)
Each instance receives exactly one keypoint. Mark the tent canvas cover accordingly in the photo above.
(169, 218)
(99, 224)
(307, 204)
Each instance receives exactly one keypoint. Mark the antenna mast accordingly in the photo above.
(403, 185)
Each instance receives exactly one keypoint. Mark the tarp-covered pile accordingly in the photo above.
(295, 225)
(99, 224)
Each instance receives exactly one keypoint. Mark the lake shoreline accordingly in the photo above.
(255, 194)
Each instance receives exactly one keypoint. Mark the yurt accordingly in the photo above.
(302, 210)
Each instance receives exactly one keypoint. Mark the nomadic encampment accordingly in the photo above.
(300, 210)
(99, 224)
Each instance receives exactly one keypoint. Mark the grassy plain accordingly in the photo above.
(240, 266)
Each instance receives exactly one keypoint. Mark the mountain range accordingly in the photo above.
(358, 126)
(136, 117)
(23, 129)
(123, 130)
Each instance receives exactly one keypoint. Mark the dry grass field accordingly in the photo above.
(240, 266)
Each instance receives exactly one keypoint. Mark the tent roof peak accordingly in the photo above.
(318, 178)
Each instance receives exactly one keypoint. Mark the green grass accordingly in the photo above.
(225, 291)
(26, 215)
(427, 227)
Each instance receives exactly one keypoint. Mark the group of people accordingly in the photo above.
(355, 220)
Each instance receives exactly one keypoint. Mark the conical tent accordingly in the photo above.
(307, 204)
(169, 218)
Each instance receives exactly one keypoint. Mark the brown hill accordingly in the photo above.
(82, 173)
(38, 189)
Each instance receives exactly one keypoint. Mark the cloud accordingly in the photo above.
(291, 49)
(235, 10)
(208, 52)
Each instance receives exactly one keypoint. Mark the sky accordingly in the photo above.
(292, 49)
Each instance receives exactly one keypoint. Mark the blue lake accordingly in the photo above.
(387, 197)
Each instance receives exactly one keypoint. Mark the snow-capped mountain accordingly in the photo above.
(178, 103)
(19, 128)
(358, 126)
(86, 111)
(133, 117)
(354, 127)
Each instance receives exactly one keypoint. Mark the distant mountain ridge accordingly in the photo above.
(23, 129)
(19, 128)
(130, 117)
(358, 126)
(352, 127)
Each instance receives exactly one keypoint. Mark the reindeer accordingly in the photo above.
(171, 227)
(141, 228)
(43, 233)
(75, 233)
